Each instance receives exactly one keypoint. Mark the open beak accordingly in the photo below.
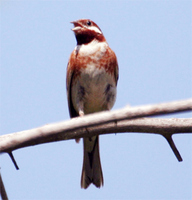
(77, 26)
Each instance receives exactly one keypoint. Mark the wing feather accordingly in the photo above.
(70, 74)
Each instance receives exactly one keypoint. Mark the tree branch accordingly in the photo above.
(106, 122)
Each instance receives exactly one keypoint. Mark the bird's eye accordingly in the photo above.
(88, 23)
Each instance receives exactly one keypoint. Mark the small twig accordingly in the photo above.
(13, 160)
(173, 147)
(3, 193)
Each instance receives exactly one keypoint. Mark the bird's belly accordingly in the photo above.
(94, 91)
(95, 98)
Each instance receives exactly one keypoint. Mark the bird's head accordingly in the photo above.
(86, 31)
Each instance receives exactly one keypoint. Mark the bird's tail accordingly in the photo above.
(92, 171)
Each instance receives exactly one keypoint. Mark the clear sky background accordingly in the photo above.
(153, 44)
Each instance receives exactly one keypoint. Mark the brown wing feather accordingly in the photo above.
(70, 74)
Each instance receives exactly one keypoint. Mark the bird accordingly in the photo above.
(92, 76)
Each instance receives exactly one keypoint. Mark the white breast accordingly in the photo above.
(94, 90)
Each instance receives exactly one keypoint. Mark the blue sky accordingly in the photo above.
(153, 44)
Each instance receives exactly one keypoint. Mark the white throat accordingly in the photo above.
(91, 48)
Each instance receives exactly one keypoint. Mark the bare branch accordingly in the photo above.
(74, 128)
(164, 127)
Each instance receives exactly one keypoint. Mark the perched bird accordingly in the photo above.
(92, 76)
